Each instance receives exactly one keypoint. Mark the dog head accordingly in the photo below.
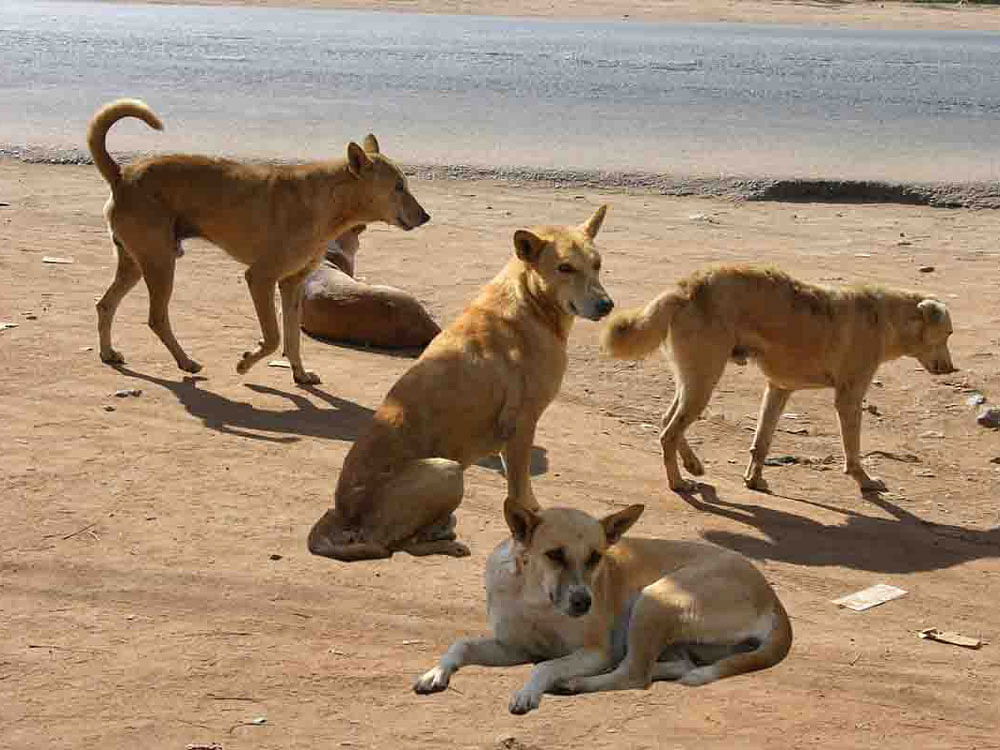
(561, 550)
(566, 266)
(387, 195)
(926, 336)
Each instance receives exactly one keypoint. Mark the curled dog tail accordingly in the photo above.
(772, 650)
(107, 116)
(634, 334)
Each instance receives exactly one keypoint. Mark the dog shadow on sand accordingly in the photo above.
(343, 420)
(904, 543)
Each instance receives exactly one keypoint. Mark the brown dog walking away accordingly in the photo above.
(274, 219)
(800, 335)
(479, 388)
(597, 612)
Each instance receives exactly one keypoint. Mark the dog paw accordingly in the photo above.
(524, 701)
(245, 363)
(432, 681)
(306, 377)
(871, 484)
(112, 357)
(684, 485)
(190, 365)
(457, 549)
(756, 483)
(699, 676)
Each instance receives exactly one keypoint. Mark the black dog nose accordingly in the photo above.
(424, 217)
(605, 306)
(579, 603)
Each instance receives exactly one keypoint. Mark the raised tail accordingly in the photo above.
(772, 650)
(634, 334)
(107, 116)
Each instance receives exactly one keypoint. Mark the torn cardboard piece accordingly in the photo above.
(949, 636)
(870, 597)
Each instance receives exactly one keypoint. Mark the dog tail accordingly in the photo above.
(107, 116)
(770, 652)
(634, 334)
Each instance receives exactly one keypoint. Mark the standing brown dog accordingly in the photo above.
(479, 388)
(274, 219)
(800, 335)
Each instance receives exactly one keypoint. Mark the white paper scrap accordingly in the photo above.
(870, 597)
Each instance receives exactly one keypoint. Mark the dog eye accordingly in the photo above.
(595, 557)
(565, 268)
(400, 186)
(557, 555)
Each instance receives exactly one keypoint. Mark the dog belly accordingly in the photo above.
(795, 375)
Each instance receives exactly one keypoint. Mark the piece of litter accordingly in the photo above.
(57, 261)
(5, 325)
(126, 392)
(275, 557)
(258, 720)
(86, 349)
(203, 746)
(924, 473)
(947, 636)
(976, 399)
(781, 461)
(108, 407)
(926, 269)
(413, 643)
(870, 597)
(906, 458)
(862, 255)
(932, 434)
(279, 363)
(798, 431)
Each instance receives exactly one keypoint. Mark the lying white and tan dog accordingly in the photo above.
(597, 612)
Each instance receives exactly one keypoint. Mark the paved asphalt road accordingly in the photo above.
(704, 99)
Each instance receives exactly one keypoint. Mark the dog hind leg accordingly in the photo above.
(127, 275)
(158, 273)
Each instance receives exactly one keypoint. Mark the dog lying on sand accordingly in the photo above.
(597, 612)
(274, 219)
(479, 388)
(338, 307)
(800, 335)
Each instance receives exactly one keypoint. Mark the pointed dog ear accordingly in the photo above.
(618, 523)
(521, 521)
(357, 159)
(932, 310)
(528, 245)
(370, 144)
(593, 225)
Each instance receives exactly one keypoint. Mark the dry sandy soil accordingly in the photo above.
(854, 13)
(156, 589)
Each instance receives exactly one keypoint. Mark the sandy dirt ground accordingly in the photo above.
(155, 589)
(856, 13)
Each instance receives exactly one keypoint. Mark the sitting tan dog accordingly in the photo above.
(598, 612)
(479, 388)
(275, 219)
(800, 335)
(338, 307)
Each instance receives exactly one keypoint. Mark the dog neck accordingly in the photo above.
(894, 338)
(533, 294)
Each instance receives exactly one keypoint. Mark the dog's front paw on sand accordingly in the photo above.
(872, 484)
(245, 363)
(112, 357)
(756, 483)
(524, 701)
(432, 681)
(684, 485)
(306, 377)
(189, 365)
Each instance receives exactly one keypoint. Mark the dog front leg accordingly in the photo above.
(546, 676)
(773, 404)
(516, 457)
(261, 282)
(487, 652)
(848, 403)
(291, 319)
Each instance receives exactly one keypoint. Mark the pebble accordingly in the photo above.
(108, 407)
(926, 269)
(932, 434)
(781, 461)
(275, 557)
(989, 417)
(126, 392)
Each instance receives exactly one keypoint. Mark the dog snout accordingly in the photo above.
(579, 602)
(604, 306)
(424, 217)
